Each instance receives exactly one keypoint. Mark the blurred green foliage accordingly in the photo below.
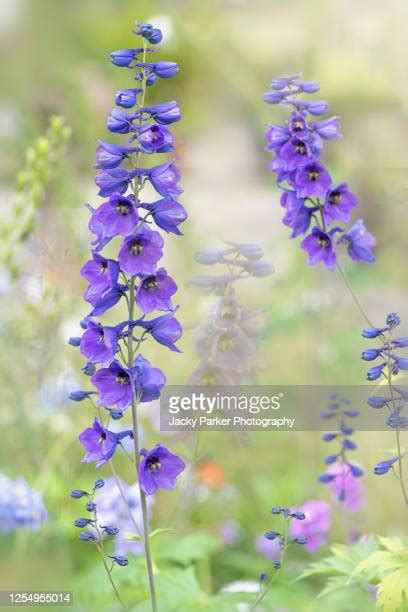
(31, 184)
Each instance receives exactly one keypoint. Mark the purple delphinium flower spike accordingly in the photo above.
(308, 191)
(159, 469)
(342, 476)
(133, 279)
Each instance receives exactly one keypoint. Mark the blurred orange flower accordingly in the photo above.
(211, 474)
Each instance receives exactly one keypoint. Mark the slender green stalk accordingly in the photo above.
(137, 185)
(146, 541)
(273, 579)
(400, 475)
(99, 546)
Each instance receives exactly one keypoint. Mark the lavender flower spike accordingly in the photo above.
(134, 280)
(308, 193)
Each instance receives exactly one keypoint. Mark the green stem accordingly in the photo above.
(268, 586)
(353, 295)
(99, 546)
(400, 476)
(146, 540)
(388, 377)
(137, 185)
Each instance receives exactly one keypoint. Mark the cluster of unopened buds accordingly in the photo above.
(396, 400)
(226, 340)
(284, 540)
(95, 532)
(342, 476)
(314, 205)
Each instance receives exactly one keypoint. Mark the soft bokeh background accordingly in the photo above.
(55, 62)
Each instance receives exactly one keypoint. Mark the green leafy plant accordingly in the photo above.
(41, 159)
(373, 563)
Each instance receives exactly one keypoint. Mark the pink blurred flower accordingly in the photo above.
(345, 487)
(228, 532)
(314, 526)
(268, 548)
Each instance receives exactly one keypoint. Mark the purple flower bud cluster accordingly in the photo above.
(121, 376)
(279, 541)
(226, 342)
(342, 475)
(96, 528)
(391, 363)
(20, 506)
(313, 205)
(112, 510)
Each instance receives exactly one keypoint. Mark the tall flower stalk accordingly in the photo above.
(342, 475)
(396, 400)
(284, 540)
(311, 201)
(226, 339)
(124, 377)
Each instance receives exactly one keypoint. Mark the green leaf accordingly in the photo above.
(393, 544)
(185, 550)
(156, 532)
(152, 534)
(392, 594)
(177, 589)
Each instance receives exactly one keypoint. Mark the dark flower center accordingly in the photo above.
(228, 312)
(156, 135)
(313, 174)
(123, 207)
(122, 379)
(300, 148)
(324, 242)
(209, 379)
(225, 343)
(150, 283)
(136, 247)
(153, 464)
(102, 438)
(298, 125)
(104, 266)
(101, 336)
(335, 197)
